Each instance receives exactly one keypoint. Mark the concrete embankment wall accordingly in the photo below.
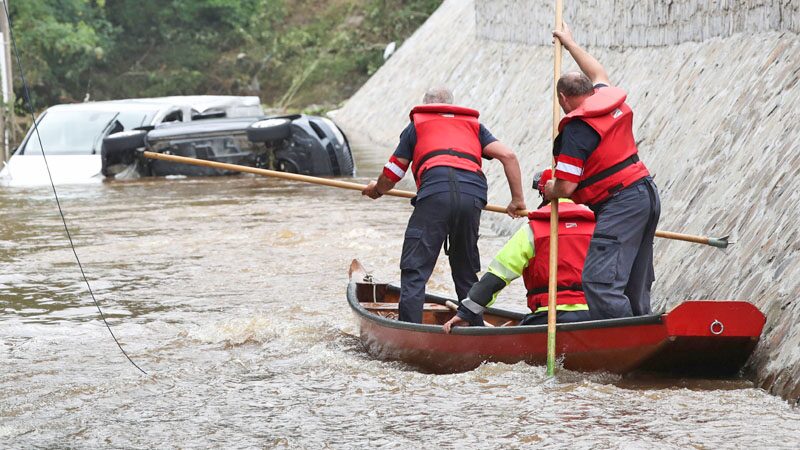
(715, 88)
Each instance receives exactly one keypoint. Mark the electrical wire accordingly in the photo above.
(52, 184)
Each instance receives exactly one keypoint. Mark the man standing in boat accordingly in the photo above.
(527, 255)
(597, 164)
(446, 144)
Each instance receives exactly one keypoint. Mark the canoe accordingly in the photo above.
(707, 338)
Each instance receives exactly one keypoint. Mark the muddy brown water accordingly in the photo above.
(230, 293)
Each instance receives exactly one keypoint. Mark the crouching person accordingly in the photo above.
(527, 254)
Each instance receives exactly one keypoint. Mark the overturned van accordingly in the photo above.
(308, 145)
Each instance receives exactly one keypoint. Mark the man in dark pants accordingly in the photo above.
(446, 144)
(597, 164)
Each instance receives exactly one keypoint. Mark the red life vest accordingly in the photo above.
(614, 164)
(447, 135)
(575, 229)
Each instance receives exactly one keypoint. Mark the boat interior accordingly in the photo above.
(382, 299)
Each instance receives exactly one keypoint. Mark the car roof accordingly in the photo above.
(199, 103)
(204, 102)
(110, 106)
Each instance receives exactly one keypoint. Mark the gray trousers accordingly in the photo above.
(434, 219)
(618, 271)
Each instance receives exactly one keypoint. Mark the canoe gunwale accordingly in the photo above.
(355, 305)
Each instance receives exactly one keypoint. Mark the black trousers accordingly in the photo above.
(561, 317)
(436, 217)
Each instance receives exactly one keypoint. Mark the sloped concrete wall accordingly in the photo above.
(715, 87)
(630, 23)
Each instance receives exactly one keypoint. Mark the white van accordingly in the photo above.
(72, 135)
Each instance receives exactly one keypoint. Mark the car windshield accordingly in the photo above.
(77, 132)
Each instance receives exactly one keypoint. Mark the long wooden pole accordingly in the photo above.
(553, 273)
(714, 242)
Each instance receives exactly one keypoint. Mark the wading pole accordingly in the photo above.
(553, 272)
(714, 242)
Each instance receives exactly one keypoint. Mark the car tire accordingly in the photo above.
(124, 140)
(269, 130)
(346, 164)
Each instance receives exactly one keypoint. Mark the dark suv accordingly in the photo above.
(308, 145)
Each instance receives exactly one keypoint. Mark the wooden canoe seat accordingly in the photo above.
(379, 306)
(434, 307)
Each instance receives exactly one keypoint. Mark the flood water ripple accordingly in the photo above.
(230, 293)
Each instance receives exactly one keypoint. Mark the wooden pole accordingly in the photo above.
(715, 242)
(553, 274)
(273, 173)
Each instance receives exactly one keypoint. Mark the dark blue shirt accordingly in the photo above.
(437, 179)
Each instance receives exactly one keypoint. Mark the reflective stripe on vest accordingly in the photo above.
(447, 135)
(575, 229)
(614, 164)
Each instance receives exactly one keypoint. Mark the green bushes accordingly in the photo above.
(293, 54)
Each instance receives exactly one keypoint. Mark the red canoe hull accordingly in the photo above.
(709, 338)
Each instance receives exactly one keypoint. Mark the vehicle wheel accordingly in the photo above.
(269, 130)
(285, 165)
(125, 140)
(346, 164)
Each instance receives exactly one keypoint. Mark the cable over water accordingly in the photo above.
(53, 186)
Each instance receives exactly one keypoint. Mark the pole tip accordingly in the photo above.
(722, 242)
